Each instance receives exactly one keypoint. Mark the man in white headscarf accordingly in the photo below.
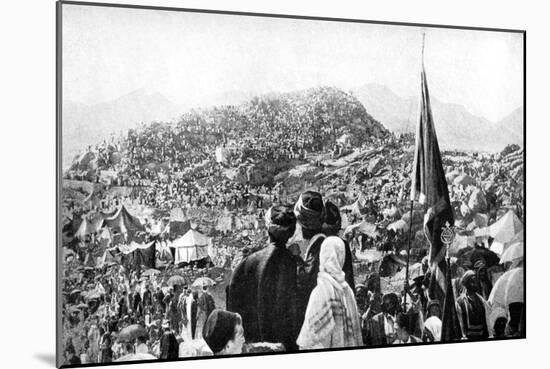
(332, 318)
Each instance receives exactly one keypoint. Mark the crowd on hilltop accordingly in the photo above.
(175, 165)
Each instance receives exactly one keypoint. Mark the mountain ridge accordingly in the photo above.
(457, 128)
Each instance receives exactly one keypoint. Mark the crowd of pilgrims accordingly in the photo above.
(166, 163)
(279, 298)
(301, 297)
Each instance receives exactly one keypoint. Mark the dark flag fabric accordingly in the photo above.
(429, 187)
(450, 327)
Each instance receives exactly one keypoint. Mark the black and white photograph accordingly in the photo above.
(238, 184)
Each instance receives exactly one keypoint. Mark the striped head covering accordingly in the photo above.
(332, 318)
(467, 276)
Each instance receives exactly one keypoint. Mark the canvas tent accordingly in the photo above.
(122, 222)
(222, 154)
(89, 226)
(136, 254)
(163, 255)
(179, 224)
(190, 247)
(506, 227)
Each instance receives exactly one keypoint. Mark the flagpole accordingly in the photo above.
(408, 257)
(411, 216)
(423, 40)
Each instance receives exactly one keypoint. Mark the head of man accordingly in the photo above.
(69, 352)
(224, 333)
(390, 303)
(141, 340)
(129, 347)
(434, 309)
(333, 219)
(401, 326)
(281, 224)
(310, 213)
(470, 282)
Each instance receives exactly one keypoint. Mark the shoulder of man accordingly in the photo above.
(315, 247)
(378, 317)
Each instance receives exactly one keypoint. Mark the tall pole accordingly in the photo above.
(411, 216)
(408, 257)
(423, 40)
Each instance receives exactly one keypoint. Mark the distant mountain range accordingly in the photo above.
(85, 125)
(456, 127)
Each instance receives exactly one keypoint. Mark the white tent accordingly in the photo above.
(177, 215)
(191, 246)
(398, 226)
(344, 139)
(222, 154)
(506, 227)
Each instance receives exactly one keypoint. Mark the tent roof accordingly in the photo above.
(192, 238)
(177, 215)
(125, 221)
(88, 227)
(133, 246)
(506, 227)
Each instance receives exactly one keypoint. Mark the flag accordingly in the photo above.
(429, 187)
(450, 325)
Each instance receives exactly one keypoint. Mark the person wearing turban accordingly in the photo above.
(473, 311)
(263, 288)
(223, 332)
(310, 215)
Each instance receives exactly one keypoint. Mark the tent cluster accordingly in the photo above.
(121, 238)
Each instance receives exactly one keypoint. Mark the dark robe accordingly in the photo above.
(136, 303)
(122, 307)
(168, 346)
(348, 267)
(105, 351)
(473, 316)
(75, 360)
(374, 333)
(206, 303)
(263, 291)
(147, 298)
(159, 301)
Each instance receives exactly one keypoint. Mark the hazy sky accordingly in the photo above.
(109, 52)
